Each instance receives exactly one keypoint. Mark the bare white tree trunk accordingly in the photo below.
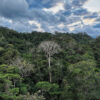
(50, 74)
(50, 48)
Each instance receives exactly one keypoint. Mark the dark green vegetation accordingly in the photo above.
(24, 72)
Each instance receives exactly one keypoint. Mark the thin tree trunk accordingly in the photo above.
(50, 75)
(14, 84)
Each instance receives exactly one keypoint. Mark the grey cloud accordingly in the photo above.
(80, 11)
(78, 3)
(97, 25)
(91, 15)
(12, 8)
(42, 3)
(88, 29)
(23, 26)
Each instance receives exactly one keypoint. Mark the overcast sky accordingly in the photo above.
(51, 15)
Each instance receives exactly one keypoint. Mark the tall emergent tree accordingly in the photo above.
(50, 48)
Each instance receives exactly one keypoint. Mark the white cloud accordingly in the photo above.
(61, 25)
(89, 21)
(73, 24)
(71, 29)
(92, 5)
(6, 22)
(58, 7)
(33, 22)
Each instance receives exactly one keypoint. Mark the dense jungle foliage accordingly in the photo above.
(25, 73)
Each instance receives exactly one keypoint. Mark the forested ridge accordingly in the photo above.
(45, 66)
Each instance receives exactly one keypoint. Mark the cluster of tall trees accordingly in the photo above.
(45, 66)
